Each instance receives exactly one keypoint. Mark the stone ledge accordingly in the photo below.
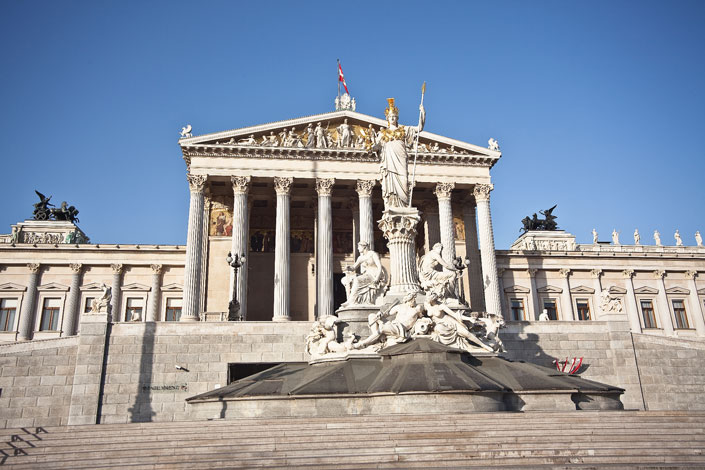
(39, 344)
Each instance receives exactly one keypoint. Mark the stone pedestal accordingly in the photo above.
(355, 319)
(399, 227)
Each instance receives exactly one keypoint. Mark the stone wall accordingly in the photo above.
(672, 376)
(36, 380)
(58, 382)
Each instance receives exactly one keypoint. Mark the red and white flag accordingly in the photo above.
(341, 78)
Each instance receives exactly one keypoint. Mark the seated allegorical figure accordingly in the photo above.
(365, 287)
(436, 274)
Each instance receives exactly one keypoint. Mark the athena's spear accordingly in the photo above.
(416, 146)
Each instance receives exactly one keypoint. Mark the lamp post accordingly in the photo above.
(235, 262)
(460, 264)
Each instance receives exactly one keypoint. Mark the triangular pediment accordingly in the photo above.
(677, 290)
(12, 287)
(646, 290)
(173, 287)
(517, 290)
(53, 286)
(136, 287)
(275, 136)
(582, 290)
(550, 290)
(617, 290)
(92, 286)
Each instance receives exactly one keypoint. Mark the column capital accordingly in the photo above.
(532, 272)
(282, 185)
(33, 267)
(443, 190)
(76, 267)
(117, 268)
(659, 274)
(596, 273)
(157, 268)
(196, 183)
(481, 192)
(241, 184)
(564, 272)
(628, 273)
(691, 274)
(324, 186)
(364, 187)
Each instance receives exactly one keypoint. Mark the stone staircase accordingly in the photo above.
(586, 440)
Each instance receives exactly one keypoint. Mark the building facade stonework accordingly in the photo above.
(294, 198)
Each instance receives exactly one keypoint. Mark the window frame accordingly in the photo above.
(676, 323)
(53, 319)
(556, 302)
(128, 318)
(577, 308)
(654, 312)
(11, 328)
(521, 299)
(166, 307)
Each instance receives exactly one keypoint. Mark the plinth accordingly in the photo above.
(398, 224)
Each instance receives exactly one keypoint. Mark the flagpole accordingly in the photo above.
(416, 146)
(338, 73)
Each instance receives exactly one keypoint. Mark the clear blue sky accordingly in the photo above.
(599, 106)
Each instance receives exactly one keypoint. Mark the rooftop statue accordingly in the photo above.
(534, 223)
(186, 131)
(391, 144)
(43, 212)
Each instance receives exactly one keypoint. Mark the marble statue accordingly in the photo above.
(292, 139)
(436, 274)
(391, 144)
(322, 339)
(489, 325)
(345, 134)
(637, 237)
(449, 327)
(492, 144)
(186, 131)
(594, 236)
(248, 141)
(677, 236)
(393, 326)
(367, 286)
(609, 304)
(615, 237)
(698, 238)
(657, 238)
(310, 136)
(544, 315)
(102, 303)
(320, 137)
(270, 140)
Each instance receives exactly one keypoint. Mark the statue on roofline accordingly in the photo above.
(534, 223)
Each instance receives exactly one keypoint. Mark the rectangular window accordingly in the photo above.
(8, 308)
(551, 307)
(517, 309)
(133, 310)
(679, 313)
(50, 315)
(87, 304)
(647, 313)
(583, 308)
(173, 309)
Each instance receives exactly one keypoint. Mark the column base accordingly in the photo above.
(281, 318)
(189, 319)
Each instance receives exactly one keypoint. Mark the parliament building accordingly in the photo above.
(289, 202)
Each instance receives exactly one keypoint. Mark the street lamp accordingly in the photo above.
(235, 262)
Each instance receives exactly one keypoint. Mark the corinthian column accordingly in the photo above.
(472, 251)
(71, 315)
(535, 304)
(664, 311)
(27, 317)
(153, 308)
(695, 304)
(282, 186)
(364, 192)
(194, 249)
(241, 229)
(568, 314)
(595, 274)
(632, 309)
(489, 260)
(324, 273)
(445, 219)
(115, 292)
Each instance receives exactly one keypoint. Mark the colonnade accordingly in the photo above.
(490, 298)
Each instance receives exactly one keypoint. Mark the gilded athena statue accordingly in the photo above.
(391, 144)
